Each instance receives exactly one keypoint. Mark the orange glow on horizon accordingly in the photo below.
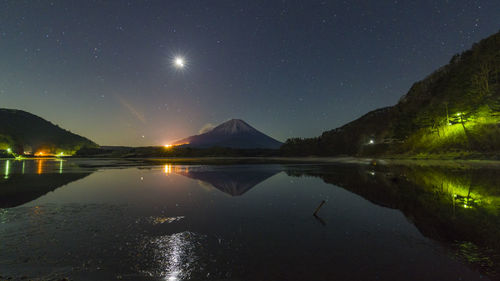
(174, 145)
(43, 153)
(46, 154)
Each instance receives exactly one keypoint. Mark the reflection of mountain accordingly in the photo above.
(457, 206)
(234, 180)
(17, 188)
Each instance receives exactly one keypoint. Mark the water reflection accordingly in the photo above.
(176, 169)
(168, 169)
(459, 206)
(174, 255)
(232, 180)
(26, 180)
(156, 223)
(7, 169)
(40, 166)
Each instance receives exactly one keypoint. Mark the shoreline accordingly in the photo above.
(384, 161)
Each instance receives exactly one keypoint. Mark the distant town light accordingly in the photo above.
(371, 142)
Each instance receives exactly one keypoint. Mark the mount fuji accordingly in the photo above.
(234, 133)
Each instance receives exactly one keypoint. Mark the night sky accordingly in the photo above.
(104, 69)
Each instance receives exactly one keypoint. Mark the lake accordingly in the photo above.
(133, 220)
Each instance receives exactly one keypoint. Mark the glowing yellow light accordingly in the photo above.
(458, 114)
(7, 168)
(40, 167)
(168, 169)
(167, 145)
(9, 150)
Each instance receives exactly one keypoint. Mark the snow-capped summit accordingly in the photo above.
(234, 133)
(234, 126)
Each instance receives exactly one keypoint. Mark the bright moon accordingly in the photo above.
(179, 62)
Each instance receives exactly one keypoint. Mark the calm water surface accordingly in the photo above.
(105, 220)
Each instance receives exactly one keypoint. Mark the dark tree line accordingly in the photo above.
(457, 93)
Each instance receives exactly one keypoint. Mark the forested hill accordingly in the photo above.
(455, 109)
(22, 131)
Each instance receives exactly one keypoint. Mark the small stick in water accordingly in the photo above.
(319, 207)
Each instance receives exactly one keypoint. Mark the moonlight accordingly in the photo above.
(179, 62)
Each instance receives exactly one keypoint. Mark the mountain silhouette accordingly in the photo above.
(455, 108)
(20, 129)
(234, 133)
